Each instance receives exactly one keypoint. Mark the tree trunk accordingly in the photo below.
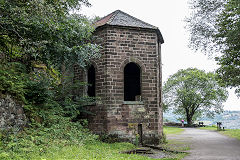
(189, 120)
(189, 117)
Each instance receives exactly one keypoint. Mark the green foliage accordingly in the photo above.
(214, 26)
(56, 132)
(111, 138)
(72, 103)
(137, 139)
(42, 90)
(41, 41)
(192, 92)
(51, 34)
(89, 151)
(163, 140)
(37, 92)
(46, 31)
(228, 37)
(68, 141)
(13, 77)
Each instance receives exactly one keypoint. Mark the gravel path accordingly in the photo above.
(209, 145)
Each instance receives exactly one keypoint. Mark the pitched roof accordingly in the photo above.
(119, 18)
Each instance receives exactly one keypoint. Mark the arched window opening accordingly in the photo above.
(131, 82)
(91, 81)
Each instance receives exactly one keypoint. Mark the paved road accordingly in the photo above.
(209, 145)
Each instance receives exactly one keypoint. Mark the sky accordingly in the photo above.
(168, 16)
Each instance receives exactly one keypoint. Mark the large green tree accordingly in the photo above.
(49, 31)
(215, 29)
(192, 92)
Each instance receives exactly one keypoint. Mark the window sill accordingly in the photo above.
(133, 102)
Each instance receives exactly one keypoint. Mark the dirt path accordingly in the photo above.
(209, 145)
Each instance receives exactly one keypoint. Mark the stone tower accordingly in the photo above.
(127, 78)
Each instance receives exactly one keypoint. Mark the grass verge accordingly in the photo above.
(212, 128)
(234, 133)
(172, 130)
(175, 144)
(93, 151)
(31, 146)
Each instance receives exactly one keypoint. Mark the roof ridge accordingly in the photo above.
(113, 16)
(135, 18)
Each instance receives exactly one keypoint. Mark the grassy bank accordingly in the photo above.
(234, 133)
(32, 147)
(93, 151)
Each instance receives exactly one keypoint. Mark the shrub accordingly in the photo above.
(13, 78)
(58, 131)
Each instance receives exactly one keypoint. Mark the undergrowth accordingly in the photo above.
(43, 139)
(54, 130)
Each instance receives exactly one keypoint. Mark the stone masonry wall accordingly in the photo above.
(11, 114)
(122, 45)
(126, 45)
(97, 120)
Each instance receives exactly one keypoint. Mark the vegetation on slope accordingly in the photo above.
(234, 133)
(68, 140)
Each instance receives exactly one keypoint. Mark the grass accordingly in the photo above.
(172, 130)
(94, 150)
(234, 133)
(212, 128)
(175, 145)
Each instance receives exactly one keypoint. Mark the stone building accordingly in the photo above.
(127, 79)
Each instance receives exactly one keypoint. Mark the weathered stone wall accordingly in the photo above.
(11, 114)
(97, 120)
(122, 45)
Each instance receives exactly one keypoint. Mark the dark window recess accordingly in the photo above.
(91, 82)
(131, 82)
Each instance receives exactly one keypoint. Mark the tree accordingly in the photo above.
(215, 29)
(46, 31)
(193, 92)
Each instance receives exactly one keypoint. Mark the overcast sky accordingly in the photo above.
(168, 16)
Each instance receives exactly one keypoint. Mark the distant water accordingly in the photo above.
(231, 124)
(229, 119)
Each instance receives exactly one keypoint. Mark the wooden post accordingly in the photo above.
(140, 132)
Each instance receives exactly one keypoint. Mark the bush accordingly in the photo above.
(51, 108)
(109, 138)
(13, 79)
(57, 132)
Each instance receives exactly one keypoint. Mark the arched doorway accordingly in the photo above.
(91, 81)
(132, 81)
